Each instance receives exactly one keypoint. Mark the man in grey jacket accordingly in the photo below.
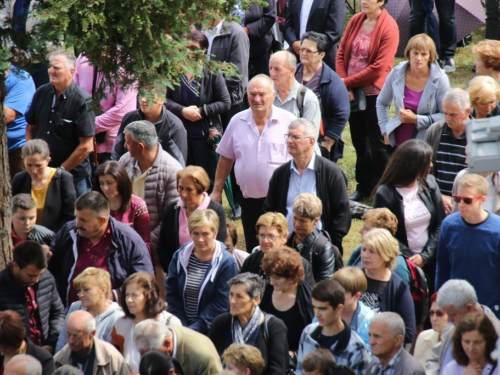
(387, 333)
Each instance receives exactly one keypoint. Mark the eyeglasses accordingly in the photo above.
(263, 237)
(439, 313)
(307, 51)
(293, 137)
(467, 200)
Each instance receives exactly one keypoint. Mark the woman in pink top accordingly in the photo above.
(111, 180)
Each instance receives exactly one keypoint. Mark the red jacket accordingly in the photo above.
(383, 46)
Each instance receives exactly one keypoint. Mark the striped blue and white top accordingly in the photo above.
(196, 271)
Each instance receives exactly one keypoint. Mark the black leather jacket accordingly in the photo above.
(325, 262)
(41, 235)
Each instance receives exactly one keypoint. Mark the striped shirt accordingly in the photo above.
(450, 159)
(196, 271)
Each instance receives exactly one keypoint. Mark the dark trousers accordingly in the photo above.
(200, 154)
(259, 65)
(371, 154)
(16, 162)
(447, 28)
(492, 20)
(251, 210)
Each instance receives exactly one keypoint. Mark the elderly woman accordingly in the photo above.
(473, 342)
(487, 53)
(111, 180)
(140, 300)
(428, 338)
(272, 229)
(287, 296)
(386, 291)
(484, 94)
(13, 342)
(197, 278)
(52, 189)
(416, 87)
(412, 194)
(365, 57)
(192, 186)
(245, 323)
(198, 101)
(94, 290)
(243, 360)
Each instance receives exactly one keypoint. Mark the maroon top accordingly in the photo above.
(137, 216)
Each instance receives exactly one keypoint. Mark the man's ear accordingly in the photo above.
(399, 340)
(315, 221)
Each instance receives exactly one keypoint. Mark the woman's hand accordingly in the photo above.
(406, 116)
(351, 94)
(473, 368)
(418, 260)
(191, 113)
(386, 139)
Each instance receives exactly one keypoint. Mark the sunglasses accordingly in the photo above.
(467, 200)
(439, 313)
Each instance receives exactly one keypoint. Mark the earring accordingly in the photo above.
(102, 295)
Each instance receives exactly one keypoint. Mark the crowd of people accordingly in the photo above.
(126, 262)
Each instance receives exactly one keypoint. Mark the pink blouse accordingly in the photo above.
(137, 216)
(184, 235)
(359, 58)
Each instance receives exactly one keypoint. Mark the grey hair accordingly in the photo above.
(150, 335)
(395, 324)
(459, 96)
(143, 132)
(70, 58)
(255, 285)
(24, 364)
(68, 370)
(88, 319)
(310, 130)
(457, 293)
(289, 58)
(263, 76)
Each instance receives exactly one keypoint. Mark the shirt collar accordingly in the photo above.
(450, 132)
(309, 166)
(392, 363)
(216, 30)
(64, 94)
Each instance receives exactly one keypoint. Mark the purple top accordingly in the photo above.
(405, 132)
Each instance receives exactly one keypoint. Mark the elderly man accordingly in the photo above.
(95, 239)
(30, 290)
(471, 228)
(387, 334)
(291, 95)
(313, 73)
(171, 133)
(23, 364)
(152, 171)
(254, 143)
(457, 298)
(20, 90)
(309, 173)
(60, 114)
(86, 352)
(448, 141)
(194, 351)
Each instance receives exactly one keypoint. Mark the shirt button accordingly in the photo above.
(52, 110)
(50, 122)
(48, 132)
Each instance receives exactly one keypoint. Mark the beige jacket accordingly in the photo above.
(108, 360)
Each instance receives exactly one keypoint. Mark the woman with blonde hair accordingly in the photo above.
(487, 62)
(240, 358)
(95, 294)
(484, 94)
(386, 291)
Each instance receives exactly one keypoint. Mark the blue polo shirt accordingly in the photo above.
(20, 90)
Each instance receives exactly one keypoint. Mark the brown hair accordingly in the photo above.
(243, 357)
(154, 303)
(12, 330)
(284, 262)
(382, 218)
(115, 169)
(36, 146)
(319, 359)
(474, 322)
(489, 52)
(198, 175)
(273, 219)
(352, 279)
(422, 42)
(232, 233)
(22, 201)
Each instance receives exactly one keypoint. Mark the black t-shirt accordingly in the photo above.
(328, 341)
(371, 297)
(84, 364)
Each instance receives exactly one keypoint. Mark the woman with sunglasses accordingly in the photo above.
(412, 194)
(428, 338)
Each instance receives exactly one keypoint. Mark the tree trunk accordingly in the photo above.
(5, 191)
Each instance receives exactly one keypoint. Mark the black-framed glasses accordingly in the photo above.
(467, 200)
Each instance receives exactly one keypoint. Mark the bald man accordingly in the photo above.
(254, 142)
(86, 352)
(23, 364)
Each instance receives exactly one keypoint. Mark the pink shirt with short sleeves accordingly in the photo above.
(256, 155)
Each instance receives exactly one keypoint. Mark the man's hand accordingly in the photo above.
(246, 30)
(351, 94)
(328, 143)
(191, 113)
(418, 260)
(49, 348)
(406, 116)
(386, 139)
(296, 47)
(448, 206)
(216, 196)
(48, 253)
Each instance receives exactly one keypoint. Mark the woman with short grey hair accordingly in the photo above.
(245, 323)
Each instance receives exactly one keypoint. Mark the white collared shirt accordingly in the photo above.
(304, 16)
(211, 34)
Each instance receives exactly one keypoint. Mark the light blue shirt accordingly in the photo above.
(298, 185)
(447, 358)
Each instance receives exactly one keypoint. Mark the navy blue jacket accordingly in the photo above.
(214, 292)
(128, 254)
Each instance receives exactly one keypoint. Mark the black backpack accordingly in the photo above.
(323, 238)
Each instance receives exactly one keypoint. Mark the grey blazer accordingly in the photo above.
(407, 365)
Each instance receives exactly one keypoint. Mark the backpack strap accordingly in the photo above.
(301, 96)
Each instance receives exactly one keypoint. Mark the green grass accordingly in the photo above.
(464, 60)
